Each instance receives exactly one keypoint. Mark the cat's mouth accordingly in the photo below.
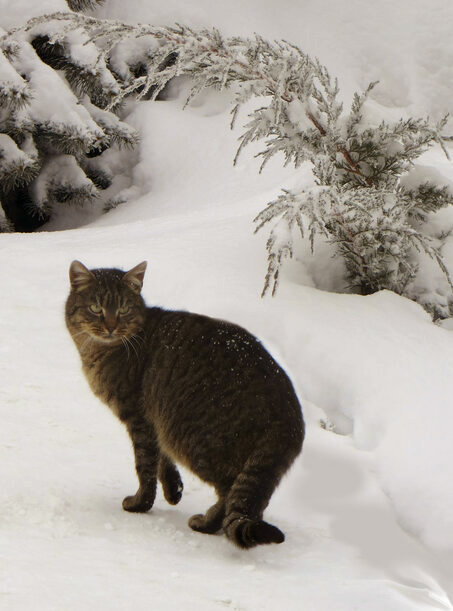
(111, 338)
(106, 337)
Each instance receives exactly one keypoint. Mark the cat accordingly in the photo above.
(190, 389)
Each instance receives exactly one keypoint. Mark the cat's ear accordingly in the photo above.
(134, 277)
(80, 276)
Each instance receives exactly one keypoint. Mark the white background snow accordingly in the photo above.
(368, 507)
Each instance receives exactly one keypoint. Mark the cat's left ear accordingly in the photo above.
(134, 277)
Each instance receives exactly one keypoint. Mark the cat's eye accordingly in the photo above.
(124, 309)
(95, 308)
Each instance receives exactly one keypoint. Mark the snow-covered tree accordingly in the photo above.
(53, 91)
(363, 199)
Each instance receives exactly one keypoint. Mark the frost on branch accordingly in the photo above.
(362, 204)
(370, 228)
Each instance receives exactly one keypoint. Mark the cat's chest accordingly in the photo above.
(114, 381)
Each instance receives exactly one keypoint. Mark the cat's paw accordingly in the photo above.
(197, 522)
(137, 504)
(171, 481)
(200, 524)
(173, 490)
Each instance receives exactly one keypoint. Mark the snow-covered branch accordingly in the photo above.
(53, 87)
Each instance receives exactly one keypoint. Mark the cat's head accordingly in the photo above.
(105, 303)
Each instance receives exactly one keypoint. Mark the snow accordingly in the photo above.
(65, 512)
(9, 77)
(14, 13)
(10, 152)
(59, 172)
(298, 113)
(421, 173)
(129, 53)
(52, 101)
(367, 508)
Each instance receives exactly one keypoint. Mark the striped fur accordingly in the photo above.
(191, 390)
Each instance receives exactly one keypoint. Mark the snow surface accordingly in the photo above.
(368, 507)
(10, 152)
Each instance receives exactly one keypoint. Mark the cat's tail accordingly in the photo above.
(245, 532)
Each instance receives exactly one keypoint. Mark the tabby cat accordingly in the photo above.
(191, 389)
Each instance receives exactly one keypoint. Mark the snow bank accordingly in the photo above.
(382, 372)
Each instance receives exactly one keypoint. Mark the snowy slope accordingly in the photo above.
(367, 508)
(68, 462)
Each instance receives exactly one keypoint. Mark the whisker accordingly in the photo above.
(132, 346)
(137, 339)
(79, 333)
(88, 339)
(124, 342)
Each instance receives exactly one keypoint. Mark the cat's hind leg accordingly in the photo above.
(170, 479)
(250, 495)
(211, 521)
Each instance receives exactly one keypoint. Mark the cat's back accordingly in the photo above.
(214, 394)
(185, 337)
(212, 360)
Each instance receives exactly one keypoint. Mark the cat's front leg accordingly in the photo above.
(146, 452)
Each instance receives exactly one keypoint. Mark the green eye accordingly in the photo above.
(95, 308)
(124, 309)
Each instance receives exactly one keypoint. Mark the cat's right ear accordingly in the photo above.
(134, 277)
(79, 276)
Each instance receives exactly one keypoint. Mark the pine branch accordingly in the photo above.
(89, 80)
(280, 70)
(5, 224)
(17, 168)
(46, 115)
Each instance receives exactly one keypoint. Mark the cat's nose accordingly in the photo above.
(110, 323)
